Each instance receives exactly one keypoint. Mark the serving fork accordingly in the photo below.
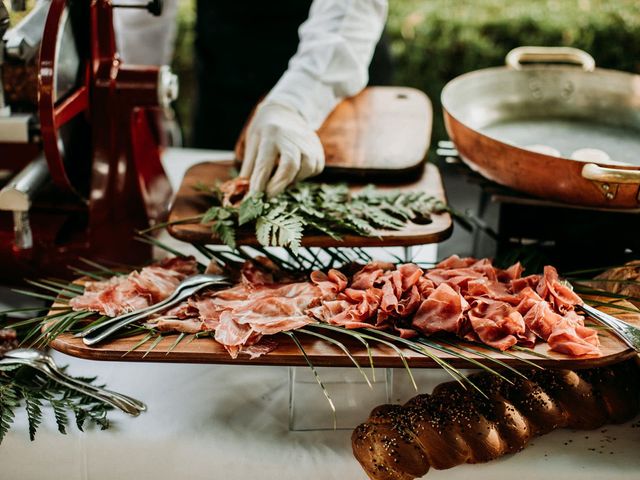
(184, 290)
(45, 364)
(624, 331)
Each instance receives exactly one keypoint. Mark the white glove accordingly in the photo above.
(279, 137)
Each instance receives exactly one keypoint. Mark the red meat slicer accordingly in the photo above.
(79, 143)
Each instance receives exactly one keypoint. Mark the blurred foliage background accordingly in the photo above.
(433, 41)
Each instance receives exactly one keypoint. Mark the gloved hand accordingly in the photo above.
(279, 137)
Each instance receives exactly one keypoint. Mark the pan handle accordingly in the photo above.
(518, 55)
(594, 172)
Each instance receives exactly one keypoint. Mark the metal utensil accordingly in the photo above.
(38, 356)
(625, 332)
(493, 114)
(103, 395)
(187, 287)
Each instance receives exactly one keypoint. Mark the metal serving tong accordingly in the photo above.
(187, 287)
(625, 332)
(45, 364)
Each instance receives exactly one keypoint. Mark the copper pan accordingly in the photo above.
(492, 114)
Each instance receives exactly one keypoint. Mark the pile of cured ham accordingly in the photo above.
(466, 297)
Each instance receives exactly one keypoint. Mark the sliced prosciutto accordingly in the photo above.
(245, 316)
(570, 336)
(442, 311)
(555, 292)
(466, 297)
(497, 323)
(139, 289)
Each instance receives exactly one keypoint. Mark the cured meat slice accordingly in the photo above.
(354, 309)
(233, 335)
(541, 319)
(122, 294)
(454, 261)
(570, 336)
(483, 287)
(555, 292)
(234, 190)
(168, 324)
(496, 323)
(514, 272)
(458, 278)
(331, 283)
(369, 274)
(442, 311)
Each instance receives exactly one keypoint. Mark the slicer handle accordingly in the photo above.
(154, 7)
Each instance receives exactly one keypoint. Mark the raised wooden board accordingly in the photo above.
(206, 350)
(190, 203)
(381, 131)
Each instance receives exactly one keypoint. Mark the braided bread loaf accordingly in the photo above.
(454, 426)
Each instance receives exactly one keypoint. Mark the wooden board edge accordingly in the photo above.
(74, 347)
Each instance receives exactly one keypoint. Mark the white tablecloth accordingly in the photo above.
(231, 422)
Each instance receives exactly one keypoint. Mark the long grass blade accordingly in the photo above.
(473, 361)
(97, 321)
(149, 240)
(612, 305)
(144, 340)
(509, 354)
(175, 344)
(574, 273)
(153, 345)
(604, 293)
(71, 287)
(341, 347)
(59, 292)
(400, 354)
(41, 319)
(41, 296)
(31, 309)
(484, 355)
(455, 374)
(86, 273)
(353, 334)
(317, 377)
(280, 262)
(531, 352)
(100, 267)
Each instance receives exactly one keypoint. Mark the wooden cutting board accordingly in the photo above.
(321, 353)
(383, 132)
(190, 202)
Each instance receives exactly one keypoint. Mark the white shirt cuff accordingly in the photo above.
(313, 99)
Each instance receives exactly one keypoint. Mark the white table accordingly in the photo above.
(230, 422)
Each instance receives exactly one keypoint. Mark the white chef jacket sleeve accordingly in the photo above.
(142, 38)
(336, 46)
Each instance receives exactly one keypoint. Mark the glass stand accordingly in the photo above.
(349, 391)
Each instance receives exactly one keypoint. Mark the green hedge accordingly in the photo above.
(433, 41)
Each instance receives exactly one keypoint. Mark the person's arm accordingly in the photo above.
(331, 63)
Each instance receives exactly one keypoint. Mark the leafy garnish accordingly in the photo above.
(307, 207)
(21, 385)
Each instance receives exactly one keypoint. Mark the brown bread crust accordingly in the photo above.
(454, 425)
